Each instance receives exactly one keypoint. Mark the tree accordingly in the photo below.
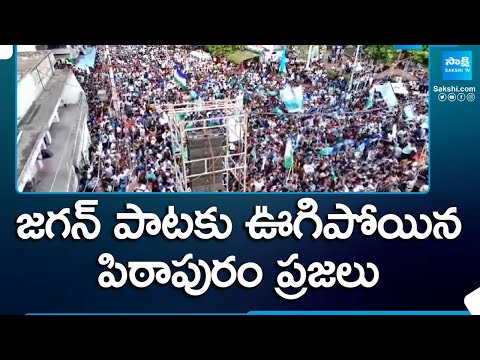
(419, 56)
(382, 53)
(222, 50)
(303, 51)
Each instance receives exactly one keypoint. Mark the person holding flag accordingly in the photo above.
(180, 78)
(288, 156)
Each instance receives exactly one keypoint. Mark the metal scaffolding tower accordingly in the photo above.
(210, 153)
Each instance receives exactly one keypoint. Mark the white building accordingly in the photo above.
(26, 48)
(267, 52)
(52, 114)
(59, 51)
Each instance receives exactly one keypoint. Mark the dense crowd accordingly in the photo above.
(338, 144)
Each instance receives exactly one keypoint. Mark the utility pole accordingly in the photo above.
(354, 68)
(115, 98)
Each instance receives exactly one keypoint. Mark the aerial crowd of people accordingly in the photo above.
(340, 144)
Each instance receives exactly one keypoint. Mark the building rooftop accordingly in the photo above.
(35, 123)
(27, 61)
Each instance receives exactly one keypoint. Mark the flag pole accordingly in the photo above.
(310, 50)
(354, 67)
(289, 173)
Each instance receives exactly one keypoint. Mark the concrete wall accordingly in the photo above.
(25, 94)
(82, 138)
(30, 170)
(80, 156)
(72, 90)
(73, 94)
(86, 142)
(32, 84)
(73, 181)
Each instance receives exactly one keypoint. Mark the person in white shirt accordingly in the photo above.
(359, 188)
(258, 184)
(108, 170)
(142, 188)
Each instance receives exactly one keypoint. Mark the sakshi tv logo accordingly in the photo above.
(457, 65)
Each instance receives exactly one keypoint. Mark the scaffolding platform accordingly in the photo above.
(210, 142)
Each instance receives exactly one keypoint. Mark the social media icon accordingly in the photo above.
(472, 302)
(442, 97)
(451, 97)
(461, 97)
(470, 97)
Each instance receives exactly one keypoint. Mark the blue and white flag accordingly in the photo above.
(360, 148)
(371, 94)
(288, 157)
(193, 95)
(326, 151)
(298, 140)
(180, 78)
(278, 112)
(292, 98)
(388, 94)
(263, 123)
(283, 62)
(337, 147)
(409, 112)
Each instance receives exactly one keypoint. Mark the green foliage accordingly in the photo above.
(419, 56)
(223, 50)
(386, 55)
(303, 51)
(333, 74)
(382, 53)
